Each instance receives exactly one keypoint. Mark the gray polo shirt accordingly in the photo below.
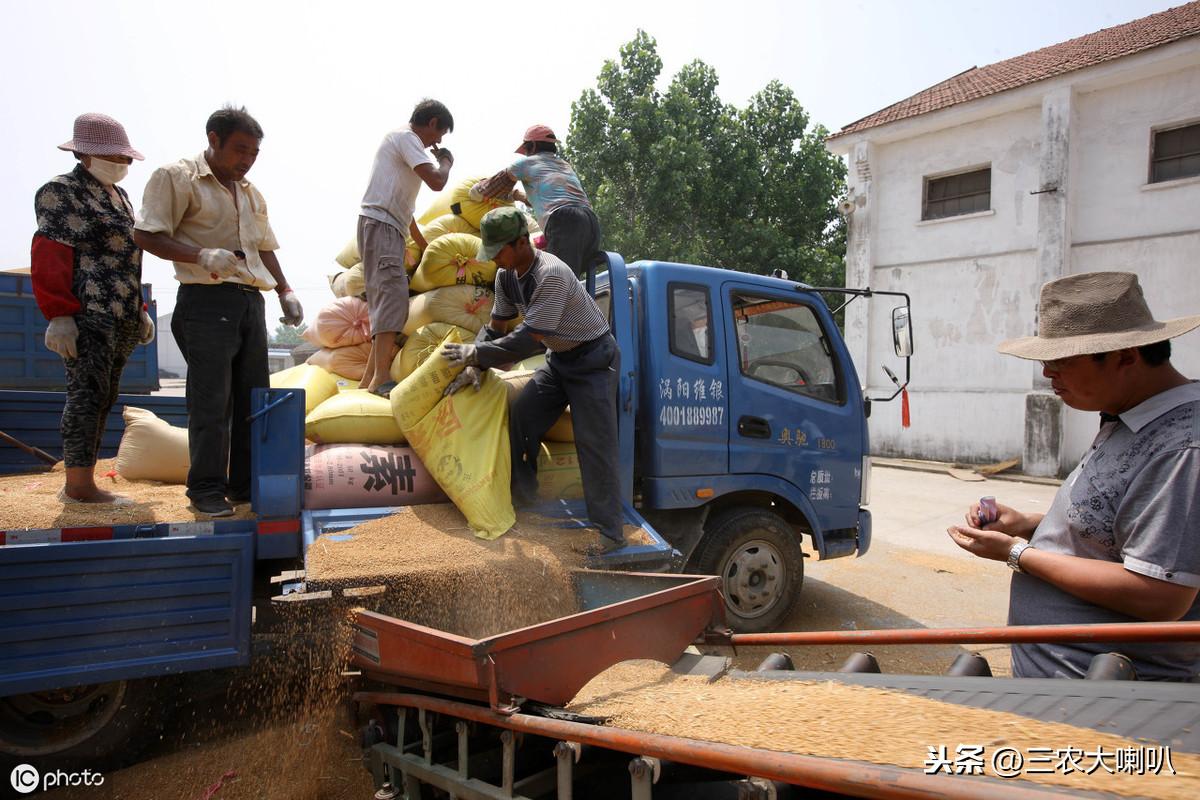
(1134, 499)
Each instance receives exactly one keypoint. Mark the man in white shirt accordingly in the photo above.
(401, 165)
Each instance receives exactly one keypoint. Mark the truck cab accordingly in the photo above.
(749, 427)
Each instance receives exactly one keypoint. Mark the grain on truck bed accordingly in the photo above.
(835, 720)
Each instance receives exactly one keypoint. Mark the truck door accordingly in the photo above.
(685, 419)
(793, 409)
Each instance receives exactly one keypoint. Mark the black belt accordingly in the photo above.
(245, 287)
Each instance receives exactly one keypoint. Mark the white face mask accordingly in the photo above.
(107, 172)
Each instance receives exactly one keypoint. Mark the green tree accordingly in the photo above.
(287, 335)
(679, 175)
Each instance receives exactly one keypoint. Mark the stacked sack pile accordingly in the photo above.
(417, 446)
(371, 451)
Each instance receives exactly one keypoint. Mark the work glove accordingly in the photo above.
(145, 329)
(442, 154)
(464, 354)
(293, 313)
(219, 263)
(471, 376)
(61, 334)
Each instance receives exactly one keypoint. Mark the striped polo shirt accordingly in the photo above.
(553, 301)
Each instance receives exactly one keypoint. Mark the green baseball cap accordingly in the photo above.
(499, 227)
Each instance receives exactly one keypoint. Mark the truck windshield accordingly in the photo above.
(782, 343)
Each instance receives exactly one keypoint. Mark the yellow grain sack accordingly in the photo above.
(420, 346)
(438, 208)
(348, 282)
(354, 416)
(558, 472)
(466, 306)
(421, 390)
(463, 442)
(531, 363)
(318, 385)
(152, 449)
(447, 223)
(450, 261)
(349, 255)
(562, 430)
(470, 210)
(461, 439)
(344, 383)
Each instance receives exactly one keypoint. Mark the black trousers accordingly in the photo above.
(586, 378)
(573, 234)
(222, 331)
(93, 382)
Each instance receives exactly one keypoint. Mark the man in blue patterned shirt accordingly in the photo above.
(559, 202)
(1121, 541)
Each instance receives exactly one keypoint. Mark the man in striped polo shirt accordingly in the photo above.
(580, 370)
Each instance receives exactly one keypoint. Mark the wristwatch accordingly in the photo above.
(1014, 555)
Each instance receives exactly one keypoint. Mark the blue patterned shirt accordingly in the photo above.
(1134, 500)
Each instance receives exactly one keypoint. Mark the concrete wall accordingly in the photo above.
(974, 279)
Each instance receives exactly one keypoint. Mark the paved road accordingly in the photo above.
(914, 576)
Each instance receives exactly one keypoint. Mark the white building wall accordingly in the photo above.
(974, 280)
(966, 276)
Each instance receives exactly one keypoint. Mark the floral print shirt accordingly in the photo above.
(78, 211)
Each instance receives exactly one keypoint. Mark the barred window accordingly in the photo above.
(1176, 154)
(952, 195)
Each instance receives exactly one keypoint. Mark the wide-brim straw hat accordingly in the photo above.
(1095, 312)
(100, 135)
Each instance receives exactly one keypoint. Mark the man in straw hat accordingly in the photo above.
(87, 277)
(1121, 541)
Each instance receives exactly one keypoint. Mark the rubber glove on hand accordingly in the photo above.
(464, 354)
(293, 313)
(218, 262)
(61, 334)
(471, 376)
(145, 329)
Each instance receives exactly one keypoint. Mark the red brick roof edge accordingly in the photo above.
(1104, 45)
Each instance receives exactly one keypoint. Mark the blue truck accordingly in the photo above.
(742, 429)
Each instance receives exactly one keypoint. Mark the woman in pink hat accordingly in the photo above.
(87, 278)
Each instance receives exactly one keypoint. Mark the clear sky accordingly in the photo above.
(326, 81)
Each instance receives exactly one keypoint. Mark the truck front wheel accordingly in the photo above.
(99, 726)
(759, 561)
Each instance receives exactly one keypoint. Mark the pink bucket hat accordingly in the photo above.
(100, 135)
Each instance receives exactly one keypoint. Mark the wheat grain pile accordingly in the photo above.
(30, 501)
(438, 574)
(836, 720)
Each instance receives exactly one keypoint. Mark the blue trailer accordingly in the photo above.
(742, 430)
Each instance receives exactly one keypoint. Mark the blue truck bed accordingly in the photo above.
(25, 363)
(33, 418)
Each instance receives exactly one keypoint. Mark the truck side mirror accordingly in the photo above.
(902, 340)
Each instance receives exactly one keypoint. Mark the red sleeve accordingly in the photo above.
(52, 270)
